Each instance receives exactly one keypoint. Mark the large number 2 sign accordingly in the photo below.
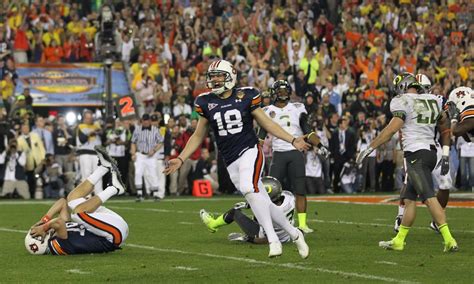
(126, 107)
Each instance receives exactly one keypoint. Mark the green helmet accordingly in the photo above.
(404, 81)
(273, 187)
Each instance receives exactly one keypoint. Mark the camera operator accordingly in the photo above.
(368, 132)
(12, 170)
(117, 141)
(50, 177)
(63, 147)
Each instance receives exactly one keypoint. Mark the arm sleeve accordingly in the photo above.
(256, 100)
(135, 136)
(468, 112)
(398, 108)
(304, 123)
(198, 106)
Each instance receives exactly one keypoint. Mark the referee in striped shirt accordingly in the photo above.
(146, 143)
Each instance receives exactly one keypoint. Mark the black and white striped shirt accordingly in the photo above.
(146, 139)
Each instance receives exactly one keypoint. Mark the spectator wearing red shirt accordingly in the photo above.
(21, 44)
(53, 53)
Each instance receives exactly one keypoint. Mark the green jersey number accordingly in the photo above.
(423, 116)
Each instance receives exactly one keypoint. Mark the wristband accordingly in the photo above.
(293, 141)
(45, 219)
(182, 162)
(446, 150)
(309, 135)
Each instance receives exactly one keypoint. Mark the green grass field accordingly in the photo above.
(168, 243)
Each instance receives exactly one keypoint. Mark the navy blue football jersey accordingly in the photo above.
(231, 120)
(78, 241)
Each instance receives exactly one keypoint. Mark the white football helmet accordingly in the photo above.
(424, 82)
(219, 67)
(37, 245)
(462, 97)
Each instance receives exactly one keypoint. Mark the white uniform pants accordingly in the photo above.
(160, 167)
(146, 167)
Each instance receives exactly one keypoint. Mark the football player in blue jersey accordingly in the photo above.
(80, 224)
(230, 113)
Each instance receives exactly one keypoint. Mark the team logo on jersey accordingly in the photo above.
(211, 106)
(272, 114)
(240, 96)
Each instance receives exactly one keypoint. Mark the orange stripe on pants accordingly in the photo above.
(257, 168)
(117, 235)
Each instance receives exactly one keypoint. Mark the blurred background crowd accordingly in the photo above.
(339, 56)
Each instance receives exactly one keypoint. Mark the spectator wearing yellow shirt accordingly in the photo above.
(16, 19)
(464, 70)
(310, 64)
(7, 87)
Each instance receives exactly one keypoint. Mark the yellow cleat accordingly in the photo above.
(207, 219)
(451, 246)
(393, 244)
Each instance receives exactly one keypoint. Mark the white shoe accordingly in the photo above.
(275, 249)
(434, 227)
(398, 222)
(306, 230)
(303, 248)
(104, 158)
(117, 181)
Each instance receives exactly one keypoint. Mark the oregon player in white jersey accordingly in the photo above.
(443, 183)
(288, 164)
(253, 232)
(416, 115)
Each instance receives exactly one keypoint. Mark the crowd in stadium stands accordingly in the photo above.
(339, 56)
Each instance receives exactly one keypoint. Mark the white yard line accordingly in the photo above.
(186, 223)
(379, 225)
(310, 220)
(249, 260)
(77, 271)
(12, 230)
(386, 262)
(185, 268)
(273, 264)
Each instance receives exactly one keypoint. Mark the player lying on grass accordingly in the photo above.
(253, 232)
(80, 224)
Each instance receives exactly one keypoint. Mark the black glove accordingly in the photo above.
(452, 111)
(444, 164)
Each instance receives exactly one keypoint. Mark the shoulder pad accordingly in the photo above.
(251, 91)
(204, 94)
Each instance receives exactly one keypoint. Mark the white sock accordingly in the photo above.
(139, 192)
(280, 219)
(107, 193)
(401, 210)
(97, 174)
(261, 209)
